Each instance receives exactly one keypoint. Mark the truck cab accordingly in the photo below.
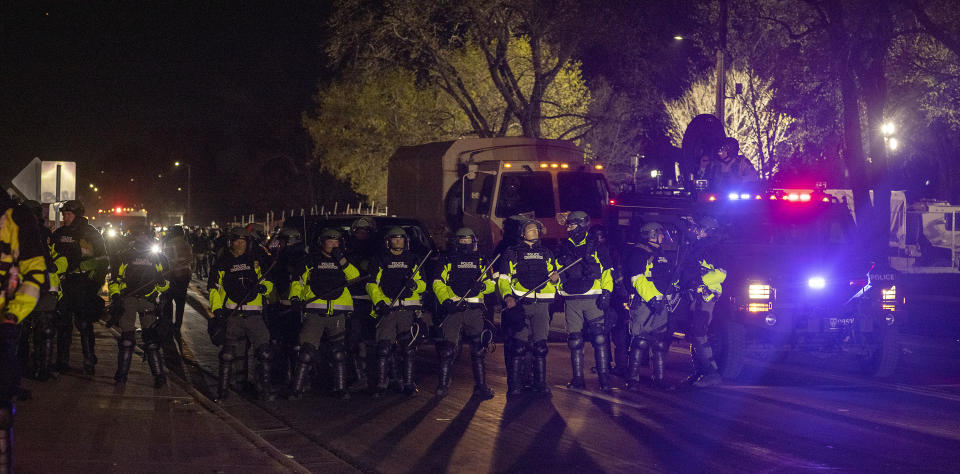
(481, 182)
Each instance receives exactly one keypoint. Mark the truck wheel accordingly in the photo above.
(882, 360)
(728, 341)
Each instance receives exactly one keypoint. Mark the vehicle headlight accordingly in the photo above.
(817, 283)
(758, 291)
(111, 232)
(155, 248)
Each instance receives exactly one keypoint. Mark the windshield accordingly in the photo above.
(791, 228)
(524, 191)
(581, 191)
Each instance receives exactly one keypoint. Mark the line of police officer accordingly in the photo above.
(314, 311)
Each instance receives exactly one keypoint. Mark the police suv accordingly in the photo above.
(798, 278)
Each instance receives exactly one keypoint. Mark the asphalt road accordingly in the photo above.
(805, 413)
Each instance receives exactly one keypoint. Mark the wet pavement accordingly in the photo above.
(805, 413)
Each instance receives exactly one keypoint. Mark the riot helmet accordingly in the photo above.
(142, 239)
(393, 232)
(651, 230)
(290, 235)
(363, 224)
(74, 206)
(577, 222)
(526, 225)
(466, 240)
(728, 150)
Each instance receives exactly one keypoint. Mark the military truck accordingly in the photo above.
(481, 182)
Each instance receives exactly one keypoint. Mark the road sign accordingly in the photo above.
(47, 181)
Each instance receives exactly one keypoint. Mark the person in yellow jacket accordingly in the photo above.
(41, 321)
(23, 273)
(652, 271)
(459, 288)
(135, 289)
(395, 295)
(237, 293)
(322, 293)
(701, 283)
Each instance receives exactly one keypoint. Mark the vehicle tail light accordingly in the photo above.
(759, 307)
(889, 298)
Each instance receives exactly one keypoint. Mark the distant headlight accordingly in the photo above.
(155, 248)
(111, 233)
(817, 283)
(756, 291)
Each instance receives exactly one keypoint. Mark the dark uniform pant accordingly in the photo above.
(649, 335)
(317, 328)
(528, 336)
(585, 321)
(82, 306)
(395, 327)
(469, 320)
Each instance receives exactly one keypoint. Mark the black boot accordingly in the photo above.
(340, 374)
(576, 364)
(6, 436)
(409, 388)
(445, 351)
(124, 356)
(601, 351)
(88, 344)
(64, 338)
(540, 376)
(223, 376)
(266, 360)
(514, 352)
(638, 347)
(658, 359)
(382, 367)
(43, 354)
(301, 371)
(155, 360)
(481, 390)
(359, 367)
(710, 376)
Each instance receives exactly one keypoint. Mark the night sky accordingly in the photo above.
(131, 87)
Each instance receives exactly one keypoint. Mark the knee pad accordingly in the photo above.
(307, 353)
(265, 352)
(150, 335)
(599, 339)
(540, 349)
(227, 355)
(445, 350)
(595, 327)
(518, 348)
(152, 346)
(384, 348)
(661, 345)
(477, 347)
(338, 353)
(48, 332)
(575, 341)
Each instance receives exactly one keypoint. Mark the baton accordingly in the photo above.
(547, 280)
(479, 278)
(412, 274)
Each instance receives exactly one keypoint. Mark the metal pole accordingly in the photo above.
(186, 220)
(721, 66)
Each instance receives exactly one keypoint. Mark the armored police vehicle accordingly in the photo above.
(798, 278)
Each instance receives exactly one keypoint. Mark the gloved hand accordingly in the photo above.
(296, 305)
(603, 301)
(262, 289)
(382, 309)
(220, 313)
(8, 318)
(412, 284)
(478, 288)
(449, 306)
(115, 299)
(339, 257)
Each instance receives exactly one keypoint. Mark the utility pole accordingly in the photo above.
(721, 63)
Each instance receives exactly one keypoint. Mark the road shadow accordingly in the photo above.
(379, 450)
(438, 455)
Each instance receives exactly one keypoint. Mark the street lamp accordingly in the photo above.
(888, 129)
(186, 217)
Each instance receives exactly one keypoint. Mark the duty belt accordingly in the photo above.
(243, 307)
(321, 304)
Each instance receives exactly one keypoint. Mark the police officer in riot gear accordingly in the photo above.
(41, 320)
(284, 322)
(652, 271)
(87, 265)
(135, 288)
(361, 249)
(700, 282)
(587, 288)
(395, 294)
(523, 266)
(459, 288)
(21, 253)
(322, 290)
(238, 295)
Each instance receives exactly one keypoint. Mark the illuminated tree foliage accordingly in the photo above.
(361, 120)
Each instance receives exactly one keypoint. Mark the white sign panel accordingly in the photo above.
(58, 175)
